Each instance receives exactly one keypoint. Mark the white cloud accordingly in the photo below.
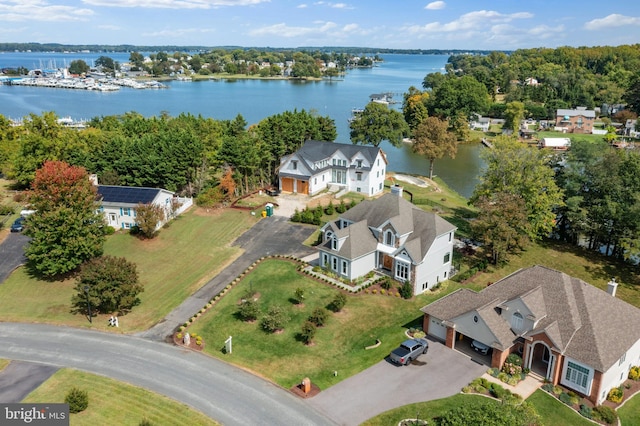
(284, 30)
(613, 20)
(174, 4)
(472, 21)
(39, 10)
(302, 6)
(110, 27)
(436, 5)
(333, 5)
(177, 32)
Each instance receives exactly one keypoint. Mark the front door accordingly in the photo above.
(113, 219)
(387, 262)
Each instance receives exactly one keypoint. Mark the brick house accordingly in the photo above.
(579, 120)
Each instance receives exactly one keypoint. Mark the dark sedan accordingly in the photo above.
(18, 225)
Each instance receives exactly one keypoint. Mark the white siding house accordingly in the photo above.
(392, 235)
(318, 165)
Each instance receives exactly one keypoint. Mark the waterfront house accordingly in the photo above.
(567, 331)
(579, 120)
(556, 144)
(390, 235)
(318, 165)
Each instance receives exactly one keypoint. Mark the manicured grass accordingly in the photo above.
(338, 346)
(115, 403)
(629, 412)
(553, 412)
(184, 256)
(430, 410)
(572, 136)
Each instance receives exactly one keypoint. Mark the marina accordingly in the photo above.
(88, 83)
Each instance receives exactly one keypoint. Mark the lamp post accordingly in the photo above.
(86, 291)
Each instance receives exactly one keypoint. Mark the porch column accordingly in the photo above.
(451, 337)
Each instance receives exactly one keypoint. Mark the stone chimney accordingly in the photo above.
(397, 190)
(612, 286)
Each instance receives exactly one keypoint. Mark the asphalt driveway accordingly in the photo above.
(20, 378)
(12, 253)
(440, 373)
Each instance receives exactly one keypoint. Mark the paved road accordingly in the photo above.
(440, 373)
(20, 378)
(273, 235)
(219, 390)
(12, 254)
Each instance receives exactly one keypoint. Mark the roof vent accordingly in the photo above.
(612, 286)
(397, 190)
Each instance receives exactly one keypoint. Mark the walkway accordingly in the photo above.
(525, 388)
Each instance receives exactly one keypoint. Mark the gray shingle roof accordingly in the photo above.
(584, 322)
(313, 151)
(422, 227)
(574, 112)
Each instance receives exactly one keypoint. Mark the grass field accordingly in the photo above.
(629, 413)
(184, 256)
(115, 403)
(338, 346)
(554, 412)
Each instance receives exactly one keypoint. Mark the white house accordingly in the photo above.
(569, 332)
(318, 165)
(118, 204)
(557, 144)
(391, 235)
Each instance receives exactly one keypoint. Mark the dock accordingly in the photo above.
(486, 143)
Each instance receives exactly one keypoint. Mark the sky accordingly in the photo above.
(400, 24)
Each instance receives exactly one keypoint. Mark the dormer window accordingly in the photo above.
(359, 164)
(517, 321)
(294, 165)
(334, 243)
(389, 238)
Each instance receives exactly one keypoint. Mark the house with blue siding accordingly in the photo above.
(390, 235)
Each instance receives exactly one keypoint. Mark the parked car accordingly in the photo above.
(408, 351)
(18, 225)
(480, 347)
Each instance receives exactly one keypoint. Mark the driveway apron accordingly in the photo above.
(12, 254)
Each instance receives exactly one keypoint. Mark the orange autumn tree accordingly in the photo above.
(67, 228)
(228, 185)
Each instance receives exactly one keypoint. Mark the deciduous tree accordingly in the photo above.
(66, 229)
(148, 216)
(432, 140)
(376, 123)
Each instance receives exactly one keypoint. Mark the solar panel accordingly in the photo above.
(127, 194)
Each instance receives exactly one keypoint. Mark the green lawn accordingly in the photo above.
(572, 136)
(338, 346)
(184, 256)
(629, 412)
(553, 412)
(115, 403)
(429, 410)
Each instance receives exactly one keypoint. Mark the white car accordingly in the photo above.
(480, 347)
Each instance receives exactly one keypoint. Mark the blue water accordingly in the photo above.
(254, 99)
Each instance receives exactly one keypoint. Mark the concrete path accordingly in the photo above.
(272, 235)
(525, 388)
(440, 373)
(19, 379)
(219, 390)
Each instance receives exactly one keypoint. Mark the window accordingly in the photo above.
(447, 258)
(126, 211)
(315, 180)
(344, 267)
(294, 165)
(359, 164)
(622, 358)
(402, 271)
(577, 374)
(358, 189)
(389, 238)
(334, 264)
(325, 259)
(517, 321)
(450, 234)
(334, 161)
(323, 178)
(380, 186)
(358, 176)
(334, 243)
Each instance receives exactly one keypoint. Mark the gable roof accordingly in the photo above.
(576, 112)
(358, 242)
(422, 227)
(313, 151)
(583, 321)
(127, 194)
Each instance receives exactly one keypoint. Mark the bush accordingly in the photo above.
(145, 422)
(497, 391)
(604, 413)
(338, 302)
(308, 331)
(634, 373)
(5, 210)
(330, 209)
(352, 204)
(548, 387)
(274, 320)
(386, 283)
(564, 397)
(342, 207)
(77, 399)
(615, 395)
(296, 217)
(406, 290)
(319, 317)
(514, 359)
(585, 411)
(299, 295)
(249, 310)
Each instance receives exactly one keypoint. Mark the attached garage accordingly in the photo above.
(287, 184)
(290, 184)
(303, 187)
(437, 329)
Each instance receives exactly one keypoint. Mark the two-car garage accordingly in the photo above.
(290, 184)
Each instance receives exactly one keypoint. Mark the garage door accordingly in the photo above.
(287, 184)
(303, 187)
(437, 329)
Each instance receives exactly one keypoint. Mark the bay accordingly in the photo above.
(253, 99)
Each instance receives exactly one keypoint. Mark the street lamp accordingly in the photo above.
(86, 291)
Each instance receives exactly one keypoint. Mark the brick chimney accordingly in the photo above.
(612, 286)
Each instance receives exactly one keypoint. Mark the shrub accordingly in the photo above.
(77, 399)
(330, 209)
(503, 377)
(383, 292)
(497, 391)
(299, 295)
(406, 290)
(386, 283)
(615, 395)
(319, 317)
(493, 372)
(634, 373)
(296, 217)
(274, 320)
(6, 210)
(605, 413)
(548, 387)
(514, 359)
(308, 331)
(249, 310)
(564, 397)
(338, 302)
(352, 204)
(145, 422)
(342, 207)
(585, 411)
